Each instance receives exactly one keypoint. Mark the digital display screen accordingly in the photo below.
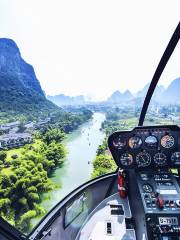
(168, 221)
(167, 191)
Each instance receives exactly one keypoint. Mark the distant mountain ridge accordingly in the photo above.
(62, 100)
(117, 97)
(157, 93)
(172, 94)
(20, 89)
(169, 95)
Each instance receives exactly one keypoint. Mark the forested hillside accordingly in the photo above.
(20, 91)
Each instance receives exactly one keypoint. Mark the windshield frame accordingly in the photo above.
(14, 233)
(10, 231)
(159, 70)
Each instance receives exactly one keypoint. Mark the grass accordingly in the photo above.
(11, 152)
(128, 124)
(20, 151)
(7, 171)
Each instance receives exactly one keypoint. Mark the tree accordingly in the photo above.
(3, 156)
(27, 216)
(55, 152)
(102, 161)
(102, 148)
(5, 181)
(102, 165)
(14, 156)
(4, 203)
(53, 135)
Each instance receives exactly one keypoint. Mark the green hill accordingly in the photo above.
(20, 90)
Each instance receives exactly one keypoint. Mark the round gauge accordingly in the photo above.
(119, 142)
(126, 159)
(167, 141)
(135, 142)
(151, 141)
(175, 158)
(160, 159)
(147, 188)
(143, 159)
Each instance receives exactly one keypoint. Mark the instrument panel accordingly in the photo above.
(146, 147)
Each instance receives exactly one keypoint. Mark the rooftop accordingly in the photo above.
(14, 136)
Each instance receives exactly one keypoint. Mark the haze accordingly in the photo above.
(92, 47)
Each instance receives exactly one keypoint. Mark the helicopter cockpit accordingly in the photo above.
(149, 154)
(140, 201)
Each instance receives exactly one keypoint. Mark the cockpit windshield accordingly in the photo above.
(71, 75)
(164, 108)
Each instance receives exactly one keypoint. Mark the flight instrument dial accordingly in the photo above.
(160, 159)
(151, 141)
(119, 142)
(126, 159)
(167, 141)
(143, 159)
(135, 142)
(175, 158)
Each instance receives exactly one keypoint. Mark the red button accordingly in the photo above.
(160, 202)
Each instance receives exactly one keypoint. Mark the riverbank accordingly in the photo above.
(25, 171)
(81, 145)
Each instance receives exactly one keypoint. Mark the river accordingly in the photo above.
(81, 145)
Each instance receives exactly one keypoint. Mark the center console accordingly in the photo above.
(150, 157)
(160, 194)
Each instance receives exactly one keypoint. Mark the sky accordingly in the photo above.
(92, 47)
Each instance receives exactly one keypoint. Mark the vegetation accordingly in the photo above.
(21, 101)
(116, 119)
(103, 163)
(68, 122)
(24, 176)
(25, 172)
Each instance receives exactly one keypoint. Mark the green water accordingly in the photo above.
(81, 145)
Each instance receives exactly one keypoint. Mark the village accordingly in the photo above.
(13, 135)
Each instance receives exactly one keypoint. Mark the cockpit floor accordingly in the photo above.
(107, 221)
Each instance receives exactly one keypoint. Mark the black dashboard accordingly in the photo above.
(148, 147)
